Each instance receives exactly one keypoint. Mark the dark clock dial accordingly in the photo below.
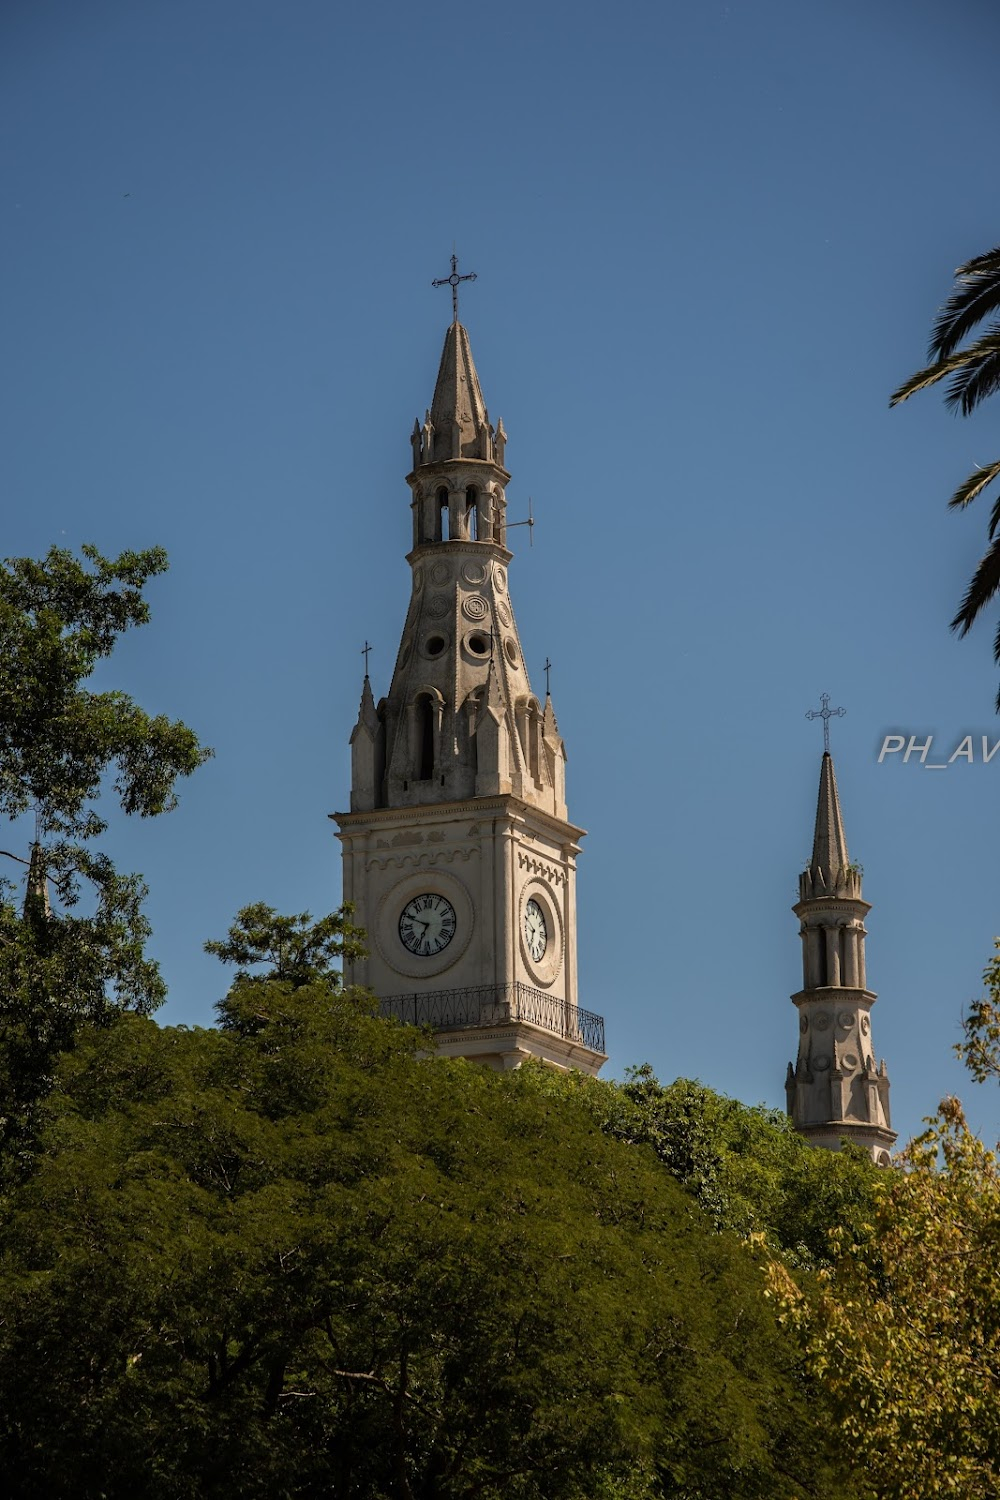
(427, 925)
(536, 934)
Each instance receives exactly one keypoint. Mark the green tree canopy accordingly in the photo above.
(294, 1257)
(60, 742)
(904, 1328)
(295, 950)
(748, 1167)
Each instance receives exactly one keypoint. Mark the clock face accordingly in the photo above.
(427, 925)
(536, 934)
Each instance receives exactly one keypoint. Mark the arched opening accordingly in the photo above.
(472, 513)
(443, 518)
(424, 709)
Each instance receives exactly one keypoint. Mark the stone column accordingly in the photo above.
(851, 957)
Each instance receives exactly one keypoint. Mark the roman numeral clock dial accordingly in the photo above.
(427, 925)
(535, 932)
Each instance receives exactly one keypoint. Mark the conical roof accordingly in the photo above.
(458, 411)
(829, 853)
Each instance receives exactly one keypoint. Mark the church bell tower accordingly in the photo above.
(458, 853)
(835, 1091)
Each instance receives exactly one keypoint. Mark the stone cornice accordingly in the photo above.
(836, 994)
(471, 807)
(470, 548)
(850, 905)
(442, 466)
(850, 1130)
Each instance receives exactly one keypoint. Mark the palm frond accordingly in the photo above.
(987, 263)
(984, 585)
(930, 376)
(974, 299)
(976, 380)
(970, 488)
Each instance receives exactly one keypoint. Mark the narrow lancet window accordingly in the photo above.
(425, 738)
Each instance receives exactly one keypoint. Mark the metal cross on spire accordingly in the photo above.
(364, 652)
(548, 669)
(826, 713)
(453, 281)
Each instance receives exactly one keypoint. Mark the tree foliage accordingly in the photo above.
(748, 1167)
(296, 949)
(59, 744)
(980, 1047)
(294, 1257)
(904, 1330)
(973, 371)
(58, 619)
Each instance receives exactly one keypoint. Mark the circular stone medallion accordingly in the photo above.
(503, 613)
(438, 606)
(439, 572)
(475, 607)
(499, 577)
(418, 580)
(474, 572)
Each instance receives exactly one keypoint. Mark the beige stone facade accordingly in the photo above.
(458, 854)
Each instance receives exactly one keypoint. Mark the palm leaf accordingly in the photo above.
(985, 583)
(979, 378)
(930, 375)
(973, 300)
(988, 262)
(976, 354)
(970, 488)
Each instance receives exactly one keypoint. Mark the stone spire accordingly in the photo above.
(460, 424)
(460, 719)
(36, 891)
(367, 754)
(835, 1092)
(830, 862)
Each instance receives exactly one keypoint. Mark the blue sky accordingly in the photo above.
(710, 240)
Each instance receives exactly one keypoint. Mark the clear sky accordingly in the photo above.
(710, 240)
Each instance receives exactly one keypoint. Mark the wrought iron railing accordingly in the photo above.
(494, 1004)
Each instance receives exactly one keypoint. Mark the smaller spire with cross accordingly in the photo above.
(826, 713)
(454, 281)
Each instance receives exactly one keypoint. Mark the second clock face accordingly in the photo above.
(427, 925)
(536, 934)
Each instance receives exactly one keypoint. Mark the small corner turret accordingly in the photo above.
(835, 1092)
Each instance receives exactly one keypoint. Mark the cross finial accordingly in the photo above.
(826, 713)
(453, 281)
(548, 669)
(364, 652)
